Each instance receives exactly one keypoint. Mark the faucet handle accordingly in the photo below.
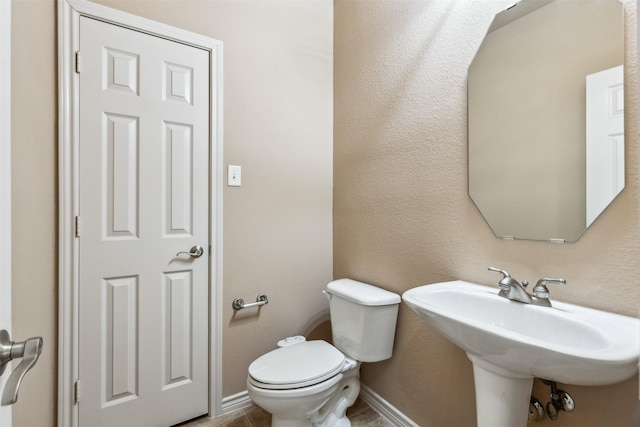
(497, 270)
(506, 282)
(540, 290)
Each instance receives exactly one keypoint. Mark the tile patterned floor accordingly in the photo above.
(360, 414)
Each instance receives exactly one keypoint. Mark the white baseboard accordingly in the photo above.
(390, 413)
(234, 402)
(384, 408)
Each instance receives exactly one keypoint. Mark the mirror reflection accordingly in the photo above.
(546, 118)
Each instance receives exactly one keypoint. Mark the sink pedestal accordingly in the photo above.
(502, 397)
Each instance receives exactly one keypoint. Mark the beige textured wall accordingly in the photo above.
(402, 216)
(34, 203)
(278, 113)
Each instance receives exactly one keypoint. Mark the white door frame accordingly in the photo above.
(5, 185)
(69, 12)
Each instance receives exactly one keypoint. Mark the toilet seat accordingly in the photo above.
(300, 365)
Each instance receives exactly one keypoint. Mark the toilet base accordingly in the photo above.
(333, 413)
(283, 422)
(342, 422)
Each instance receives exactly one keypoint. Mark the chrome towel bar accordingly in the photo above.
(238, 303)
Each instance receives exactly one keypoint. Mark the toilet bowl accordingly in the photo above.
(293, 383)
(312, 383)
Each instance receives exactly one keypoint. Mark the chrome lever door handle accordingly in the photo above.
(29, 351)
(194, 252)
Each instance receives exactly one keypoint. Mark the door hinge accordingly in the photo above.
(76, 392)
(78, 63)
(77, 226)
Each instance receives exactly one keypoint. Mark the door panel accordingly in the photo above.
(605, 139)
(144, 156)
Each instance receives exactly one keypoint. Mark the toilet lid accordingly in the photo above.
(298, 365)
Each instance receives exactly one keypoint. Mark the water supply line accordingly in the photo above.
(560, 401)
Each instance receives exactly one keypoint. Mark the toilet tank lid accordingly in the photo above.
(362, 293)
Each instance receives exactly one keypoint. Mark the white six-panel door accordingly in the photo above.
(144, 174)
(604, 139)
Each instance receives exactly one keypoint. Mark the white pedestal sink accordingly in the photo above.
(510, 343)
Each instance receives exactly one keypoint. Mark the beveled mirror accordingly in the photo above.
(546, 118)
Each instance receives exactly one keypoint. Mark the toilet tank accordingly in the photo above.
(363, 319)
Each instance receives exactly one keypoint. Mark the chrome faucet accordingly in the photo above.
(511, 289)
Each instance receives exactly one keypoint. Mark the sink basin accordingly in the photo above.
(565, 343)
(509, 342)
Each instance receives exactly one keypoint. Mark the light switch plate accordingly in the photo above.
(234, 176)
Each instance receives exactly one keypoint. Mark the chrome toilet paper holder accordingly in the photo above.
(239, 304)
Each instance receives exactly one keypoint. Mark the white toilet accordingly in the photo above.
(312, 383)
